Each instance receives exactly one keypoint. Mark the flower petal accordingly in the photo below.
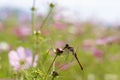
(21, 52)
(28, 53)
(13, 58)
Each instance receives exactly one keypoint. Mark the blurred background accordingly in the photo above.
(101, 10)
(91, 26)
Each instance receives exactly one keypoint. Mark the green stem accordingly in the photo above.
(46, 18)
(33, 25)
(53, 78)
(36, 44)
(33, 15)
(52, 64)
(50, 67)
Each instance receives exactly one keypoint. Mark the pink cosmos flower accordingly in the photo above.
(112, 39)
(97, 53)
(22, 59)
(107, 40)
(59, 25)
(22, 31)
(88, 44)
(101, 42)
(59, 44)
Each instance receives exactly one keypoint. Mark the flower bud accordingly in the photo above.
(59, 51)
(52, 5)
(55, 74)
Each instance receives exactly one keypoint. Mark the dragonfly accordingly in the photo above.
(71, 49)
(60, 52)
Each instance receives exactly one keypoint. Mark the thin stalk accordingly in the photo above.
(50, 67)
(53, 78)
(46, 18)
(54, 66)
(33, 15)
(52, 63)
(33, 25)
(36, 44)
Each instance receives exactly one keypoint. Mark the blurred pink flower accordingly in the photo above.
(88, 44)
(59, 25)
(22, 59)
(22, 31)
(100, 42)
(59, 44)
(112, 39)
(97, 52)
(107, 40)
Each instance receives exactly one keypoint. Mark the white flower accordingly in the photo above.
(4, 46)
